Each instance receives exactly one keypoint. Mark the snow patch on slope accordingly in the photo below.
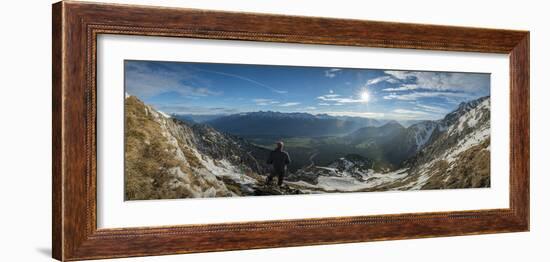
(472, 139)
(470, 118)
(423, 133)
(349, 183)
(164, 114)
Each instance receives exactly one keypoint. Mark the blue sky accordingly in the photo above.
(209, 88)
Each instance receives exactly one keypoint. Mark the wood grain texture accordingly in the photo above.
(57, 195)
(76, 26)
(519, 129)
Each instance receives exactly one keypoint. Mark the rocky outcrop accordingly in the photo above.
(168, 158)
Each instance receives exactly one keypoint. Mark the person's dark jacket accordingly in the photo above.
(279, 159)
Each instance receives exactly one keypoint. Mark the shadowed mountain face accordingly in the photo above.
(169, 158)
(388, 143)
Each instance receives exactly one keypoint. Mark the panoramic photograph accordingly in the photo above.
(202, 130)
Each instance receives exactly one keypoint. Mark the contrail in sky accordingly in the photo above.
(247, 80)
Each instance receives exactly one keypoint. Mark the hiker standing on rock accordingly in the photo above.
(279, 159)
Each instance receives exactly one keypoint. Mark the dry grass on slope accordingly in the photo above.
(471, 169)
(147, 154)
(153, 169)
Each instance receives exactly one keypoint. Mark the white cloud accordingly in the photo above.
(324, 104)
(404, 87)
(203, 91)
(264, 101)
(145, 82)
(337, 99)
(392, 81)
(378, 80)
(407, 111)
(261, 100)
(418, 95)
(402, 75)
(311, 108)
(408, 114)
(433, 109)
(331, 73)
(184, 109)
(289, 104)
(397, 114)
(358, 114)
(278, 91)
(443, 81)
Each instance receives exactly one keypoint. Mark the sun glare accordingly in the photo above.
(365, 96)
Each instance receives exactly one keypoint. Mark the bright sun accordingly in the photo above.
(365, 96)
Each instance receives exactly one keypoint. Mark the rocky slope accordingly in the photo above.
(168, 158)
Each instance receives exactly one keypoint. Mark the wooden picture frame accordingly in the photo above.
(76, 26)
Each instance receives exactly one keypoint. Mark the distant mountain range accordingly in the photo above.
(288, 124)
(277, 123)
